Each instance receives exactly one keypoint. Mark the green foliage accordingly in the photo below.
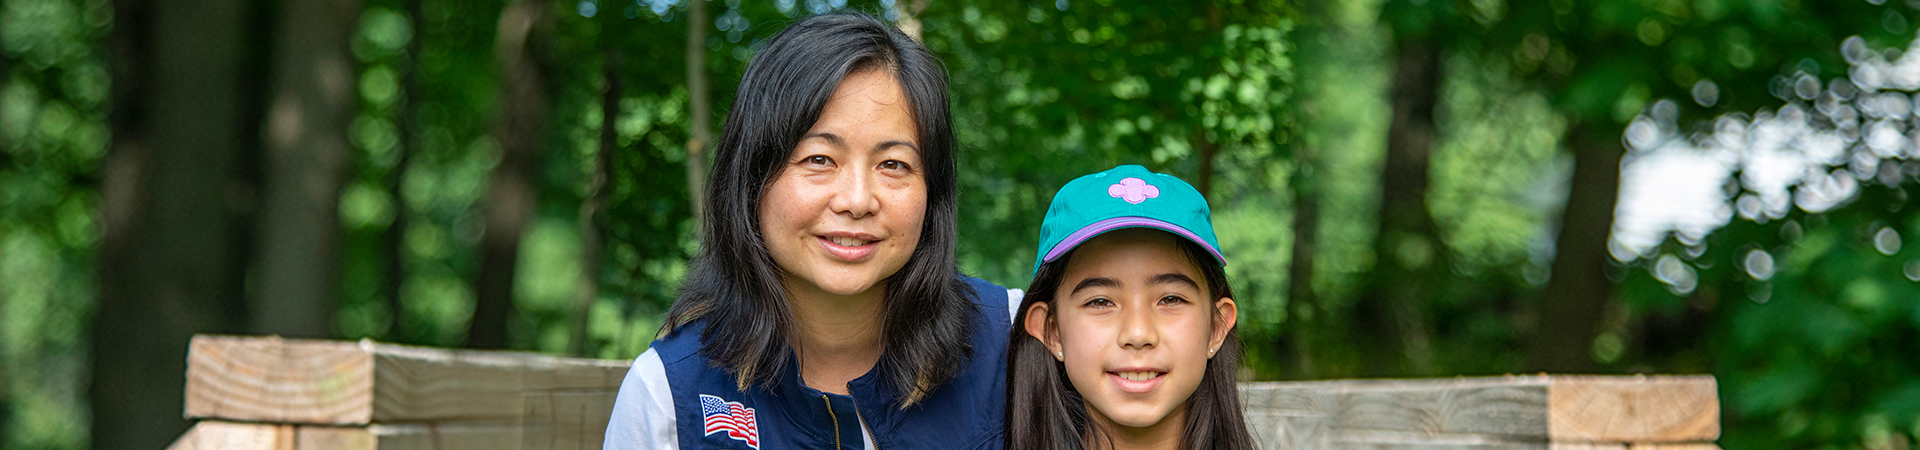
(1813, 324)
(1045, 93)
(53, 133)
(444, 176)
(644, 225)
(1336, 120)
(1811, 313)
(1607, 59)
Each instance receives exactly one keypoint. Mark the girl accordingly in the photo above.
(824, 310)
(1125, 338)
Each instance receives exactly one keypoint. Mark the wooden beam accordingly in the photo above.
(568, 420)
(269, 379)
(1531, 412)
(223, 435)
(211, 435)
(434, 436)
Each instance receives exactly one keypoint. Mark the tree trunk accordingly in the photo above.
(6, 76)
(173, 209)
(1577, 293)
(1209, 151)
(702, 112)
(1300, 296)
(1207, 147)
(596, 201)
(313, 99)
(394, 238)
(1318, 31)
(511, 194)
(1391, 310)
(6, 160)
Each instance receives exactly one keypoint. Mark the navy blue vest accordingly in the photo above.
(966, 413)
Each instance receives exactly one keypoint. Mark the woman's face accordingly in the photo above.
(1134, 327)
(846, 211)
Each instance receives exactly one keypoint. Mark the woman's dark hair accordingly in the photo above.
(735, 286)
(1044, 411)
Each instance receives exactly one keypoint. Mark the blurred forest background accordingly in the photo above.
(1407, 188)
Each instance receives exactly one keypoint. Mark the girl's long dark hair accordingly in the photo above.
(734, 285)
(1045, 412)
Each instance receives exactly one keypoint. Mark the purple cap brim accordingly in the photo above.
(1095, 229)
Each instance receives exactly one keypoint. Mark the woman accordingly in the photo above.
(824, 310)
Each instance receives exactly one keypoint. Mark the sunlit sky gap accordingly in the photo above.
(1814, 152)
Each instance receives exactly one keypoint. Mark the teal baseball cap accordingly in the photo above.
(1124, 197)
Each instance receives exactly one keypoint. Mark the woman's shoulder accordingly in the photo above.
(994, 300)
(680, 343)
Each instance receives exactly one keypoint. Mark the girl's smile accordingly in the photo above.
(1137, 380)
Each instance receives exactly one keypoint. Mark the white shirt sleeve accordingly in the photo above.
(643, 412)
(1013, 304)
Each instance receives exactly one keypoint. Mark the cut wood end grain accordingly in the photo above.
(272, 379)
(1634, 408)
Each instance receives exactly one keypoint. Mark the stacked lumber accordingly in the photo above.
(273, 393)
(270, 393)
(1555, 412)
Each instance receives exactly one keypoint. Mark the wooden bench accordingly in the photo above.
(285, 394)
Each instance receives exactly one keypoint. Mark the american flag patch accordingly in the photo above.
(725, 416)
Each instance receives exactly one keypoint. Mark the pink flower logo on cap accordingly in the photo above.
(1133, 190)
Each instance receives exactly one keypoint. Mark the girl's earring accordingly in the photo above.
(1064, 354)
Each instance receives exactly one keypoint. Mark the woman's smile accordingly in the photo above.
(850, 247)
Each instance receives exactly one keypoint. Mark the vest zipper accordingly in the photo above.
(864, 427)
(836, 420)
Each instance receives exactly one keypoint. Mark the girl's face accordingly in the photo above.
(1134, 327)
(846, 211)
